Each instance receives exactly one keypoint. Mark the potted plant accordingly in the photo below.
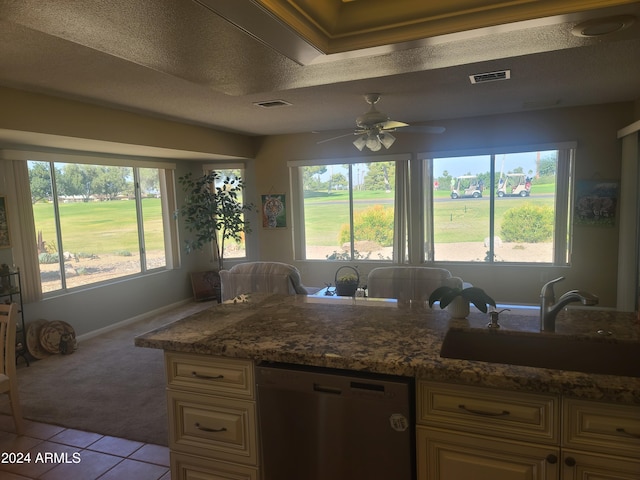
(458, 298)
(347, 283)
(213, 211)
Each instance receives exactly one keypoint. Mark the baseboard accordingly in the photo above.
(129, 321)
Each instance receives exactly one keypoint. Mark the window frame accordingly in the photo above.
(400, 192)
(413, 210)
(166, 173)
(565, 178)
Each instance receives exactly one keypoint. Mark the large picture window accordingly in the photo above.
(96, 223)
(501, 207)
(349, 210)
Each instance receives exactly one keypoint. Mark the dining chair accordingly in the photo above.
(262, 277)
(8, 378)
(405, 282)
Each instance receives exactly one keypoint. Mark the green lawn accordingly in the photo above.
(460, 220)
(101, 227)
(110, 227)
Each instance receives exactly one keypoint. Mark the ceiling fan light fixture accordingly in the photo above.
(386, 139)
(360, 142)
(373, 143)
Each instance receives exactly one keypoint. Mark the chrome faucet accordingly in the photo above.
(549, 308)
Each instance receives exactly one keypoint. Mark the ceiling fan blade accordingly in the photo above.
(392, 124)
(336, 138)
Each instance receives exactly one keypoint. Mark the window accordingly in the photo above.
(96, 223)
(501, 207)
(349, 209)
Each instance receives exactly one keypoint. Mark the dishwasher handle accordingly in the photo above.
(318, 387)
(354, 386)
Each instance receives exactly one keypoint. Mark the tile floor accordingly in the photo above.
(59, 453)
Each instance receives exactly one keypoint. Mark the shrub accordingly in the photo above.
(374, 223)
(527, 223)
(45, 258)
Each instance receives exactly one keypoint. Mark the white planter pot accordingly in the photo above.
(459, 308)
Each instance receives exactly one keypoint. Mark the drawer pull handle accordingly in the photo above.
(206, 377)
(486, 414)
(629, 434)
(210, 430)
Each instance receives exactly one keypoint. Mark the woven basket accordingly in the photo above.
(347, 288)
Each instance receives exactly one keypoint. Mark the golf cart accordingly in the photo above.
(514, 184)
(466, 186)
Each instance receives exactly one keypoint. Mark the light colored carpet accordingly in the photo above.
(107, 386)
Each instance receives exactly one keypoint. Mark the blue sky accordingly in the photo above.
(480, 164)
(457, 166)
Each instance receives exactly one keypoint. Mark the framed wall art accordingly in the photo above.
(274, 210)
(596, 202)
(5, 239)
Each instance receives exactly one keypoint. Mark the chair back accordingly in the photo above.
(260, 277)
(405, 282)
(8, 318)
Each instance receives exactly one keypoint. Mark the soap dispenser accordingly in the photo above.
(494, 316)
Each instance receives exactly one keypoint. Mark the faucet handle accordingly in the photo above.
(547, 289)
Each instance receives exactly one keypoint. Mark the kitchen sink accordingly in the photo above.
(588, 354)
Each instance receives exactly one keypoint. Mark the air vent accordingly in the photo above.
(272, 104)
(490, 76)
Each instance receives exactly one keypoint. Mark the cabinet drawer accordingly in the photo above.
(187, 467)
(602, 427)
(491, 412)
(202, 373)
(221, 428)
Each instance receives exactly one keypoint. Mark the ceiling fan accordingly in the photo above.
(374, 128)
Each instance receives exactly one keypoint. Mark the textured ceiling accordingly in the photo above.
(177, 59)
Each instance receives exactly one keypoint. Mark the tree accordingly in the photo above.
(77, 180)
(380, 176)
(111, 181)
(547, 167)
(310, 183)
(213, 211)
(40, 181)
(149, 181)
(338, 180)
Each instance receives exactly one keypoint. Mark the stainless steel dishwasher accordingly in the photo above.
(319, 424)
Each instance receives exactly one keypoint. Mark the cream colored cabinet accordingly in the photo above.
(212, 418)
(600, 441)
(449, 455)
(486, 434)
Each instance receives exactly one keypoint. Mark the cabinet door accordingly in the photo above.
(446, 455)
(587, 466)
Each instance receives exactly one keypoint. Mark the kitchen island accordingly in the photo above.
(380, 336)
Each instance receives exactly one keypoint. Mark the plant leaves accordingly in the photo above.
(437, 294)
(479, 298)
(445, 295)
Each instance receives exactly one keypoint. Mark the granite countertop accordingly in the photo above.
(380, 336)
